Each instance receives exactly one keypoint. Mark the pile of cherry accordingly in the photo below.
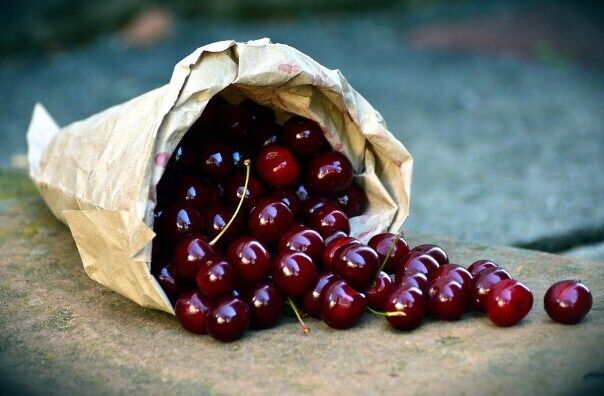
(253, 216)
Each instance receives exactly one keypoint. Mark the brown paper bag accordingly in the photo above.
(99, 175)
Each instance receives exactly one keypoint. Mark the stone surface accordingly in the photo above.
(505, 150)
(591, 252)
(61, 333)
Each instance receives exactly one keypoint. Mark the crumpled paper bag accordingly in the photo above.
(99, 175)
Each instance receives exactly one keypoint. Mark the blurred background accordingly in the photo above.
(501, 103)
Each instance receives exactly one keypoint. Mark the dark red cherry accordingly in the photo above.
(342, 306)
(353, 200)
(265, 135)
(266, 304)
(260, 114)
(209, 117)
(303, 136)
(234, 188)
(270, 219)
(191, 310)
(216, 279)
(250, 259)
(508, 302)
(432, 250)
(302, 192)
(289, 198)
(313, 204)
(179, 220)
(183, 158)
(357, 264)
(294, 273)
(215, 218)
(234, 121)
(332, 248)
(409, 301)
(302, 239)
(328, 220)
(378, 292)
(311, 300)
(335, 235)
(417, 279)
(456, 273)
(421, 263)
(190, 254)
(389, 242)
(215, 159)
(568, 301)
(170, 280)
(277, 166)
(447, 299)
(196, 192)
(329, 173)
(483, 284)
(477, 267)
(165, 187)
(240, 154)
(229, 319)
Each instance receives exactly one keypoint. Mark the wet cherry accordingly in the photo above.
(357, 264)
(190, 254)
(270, 219)
(329, 173)
(332, 246)
(191, 310)
(457, 273)
(294, 273)
(179, 220)
(327, 220)
(417, 279)
(508, 302)
(568, 301)
(421, 263)
(342, 306)
(229, 319)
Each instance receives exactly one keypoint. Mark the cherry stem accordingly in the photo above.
(239, 205)
(304, 326)
(395, 239)
(386, 314)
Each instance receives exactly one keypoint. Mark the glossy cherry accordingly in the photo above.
(508, 302)
(277, 166)
(302, 239)
(191, 310)
(329, 173)
(477, 267)
(266, 304)
(170, 280)
(378, 292)
(196, 192)
(215, 219)
(266, 134)
(179, 220)
(240, 154)
(432, 250)
(447, 299)
(229, 319)
(483, 284)
(395, 244)
(342, 306)
(270, 219)
(215, 159)
(216, 279)
(456, 273)
(417, 279)
(190, 254)
(289, 198)
(303, 137)
(311, 300)
(294, 273)
(250, 260)
(332, 246)
(421, 263)
(235, 188)
(410, 303)
(183, 157)
(568, 301)
(328, 220)
(335, 235)
(357, 264)
(353, 200)
(234, 121)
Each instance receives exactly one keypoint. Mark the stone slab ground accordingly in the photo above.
(61, 333)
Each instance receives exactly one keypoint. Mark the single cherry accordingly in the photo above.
(191, 310)
(216, 218)
(170, 280)
(267, 305)
(196, 192)
(215, 159)
(302, 239)
(229, 319)
(250, 260)
(303, 136)
(234, 121)
(277, 166)
(190, 254)
(265, 135)
(235, 188)
(378, 292)
(405, 308)
(483, 284)
(289, 198)
(421, 263)
(417, 279)
(447, 299)
(357, 264)
(328, 220)
(477, 267)
(456, 273)
(394, 244)
(270, 219)
(342, 306)
(329, 173)
(313, 204)
(332, 247)
(311, 300)
(179, 220)
(183, 157)
(216, 279)
(353, 200)
(432, 250)
(568, 301)
(508, 302)
(294, 273)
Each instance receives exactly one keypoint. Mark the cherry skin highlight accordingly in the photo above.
(196, 192)
(508, 302)
(235, 188)
(447, 299)
(234, 121)
(417, 279)
(342, 306)
(250, 260)
(269, 220)
(277, 166)
(191, 310)
(326, 221)
(480, 266)
(216, 279)
(357, 264)
(311, 300)
(215, 159)
(331, 249)
(229, 319)
(192, 253)
(432, 250)
(393, 243)
(409, 301)
(568, 302)
(303, 137)
(179, 220)
(215, 219)
(421, 263)
(265, 135)
(294, 273)
(170, 280)
(353, 200)
(302, 239)
(329, 173)
(266, 304)
(456, 273)
(378, 292)
(483, 284)
(289, 198)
